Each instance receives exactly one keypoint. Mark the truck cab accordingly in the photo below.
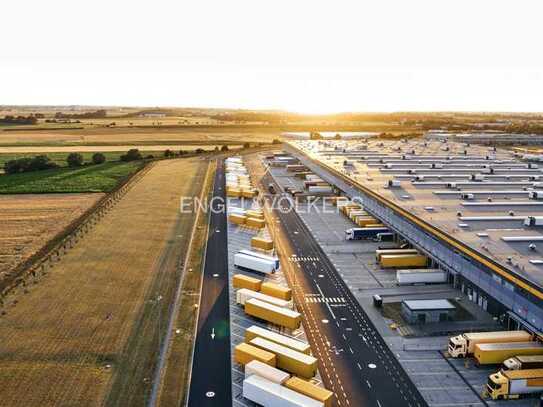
(458, 346)
(497, 386)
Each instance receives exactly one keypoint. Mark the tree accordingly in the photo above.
(74, 160)
(216, 148)
(40, 162)
(199, 151)
(131, 155)
(168, 153)
(246, 145)
(276, 141)
(98, 158)
(182, 152)
(337, 136)
(224, 148)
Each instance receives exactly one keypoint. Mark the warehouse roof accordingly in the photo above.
(490, 175)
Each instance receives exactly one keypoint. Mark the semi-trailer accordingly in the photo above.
(421, 276)
(255, 331)
(511, 384)
(523, 362)
(463, 345)
(403, 260)
(256, 264)
(364, 233)
(260, 255)
(272, 313)
(276, 290)
(262, 243)
(245, 353)
(496, 353)
(296, 363)
(266, 371)
(310, 390)
(381, 252)
(269, 394)
(243, 281)
(244, 294)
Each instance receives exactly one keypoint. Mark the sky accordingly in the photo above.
(305, 56)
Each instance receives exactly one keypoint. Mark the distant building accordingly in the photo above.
(427, 311)
(154, 115)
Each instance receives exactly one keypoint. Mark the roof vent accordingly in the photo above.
(459, 214)
(509, 259)
(532, 246)
(511, 213)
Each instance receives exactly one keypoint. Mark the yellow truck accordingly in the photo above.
(245, 353)
(243, 281)
(271, 313)
(310, 390)
(381, 252)
(496, 353)
(289, 360)
(403, 260)
(511, 384)
(463, 345)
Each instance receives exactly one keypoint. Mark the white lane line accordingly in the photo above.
(328, 305)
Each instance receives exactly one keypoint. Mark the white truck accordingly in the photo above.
(254, 263)
(463, 345)
(269, 394)
(511, 384)
(421, 276)
(523, 362)
(253, 253)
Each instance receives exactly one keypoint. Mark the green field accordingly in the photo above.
(60, 158)
(91, 178)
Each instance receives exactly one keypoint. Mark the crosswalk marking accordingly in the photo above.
(325, 299)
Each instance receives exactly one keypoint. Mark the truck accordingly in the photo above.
(381, 252)
(421, 276)
(496, 353)
(385, 237)
(523, 362)
(463, 345)
(260, 255)
(364, 233)
(271, 313)
(403, 260)
(244, 294)
(511, 384)
(271, 188)
(264, 392)
(266, 371)
(256, 264)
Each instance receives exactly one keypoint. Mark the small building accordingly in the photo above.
(427, 311)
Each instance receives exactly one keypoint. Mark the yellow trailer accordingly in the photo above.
(289, 360)
(271, 313)
(295, 344)
(243, 281)
(245, 353)
(237, 219)
(233, 192)
(403, 260)
(276, 290)
(248, 193)
(496, 353)
(261, 243)
(380, 252)
(309, 389)
(252, 213)
(463, 345)
(255, 223)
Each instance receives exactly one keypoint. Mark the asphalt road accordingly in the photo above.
(354, 360)
(211, 378)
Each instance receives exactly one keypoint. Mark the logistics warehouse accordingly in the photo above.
(471, 209)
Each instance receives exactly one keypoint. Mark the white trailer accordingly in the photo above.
(319, 189)
(421, 276)
(256, 367)
(244, 294)
(269, 394)
(261, 256)
(533, 221)
(254, 263)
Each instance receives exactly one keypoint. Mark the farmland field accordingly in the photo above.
(92, 178)
(87, 333)
(30, 221)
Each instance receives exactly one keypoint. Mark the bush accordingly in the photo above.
(199, 151)
(27, 164)
(168, 153)
(276, 141)
(98, 158)
(149, 156)
(183, 152)
(131, 155)
(247, 145)
(224, 148)
(74, 160)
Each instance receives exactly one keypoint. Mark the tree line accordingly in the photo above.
(19, 119)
